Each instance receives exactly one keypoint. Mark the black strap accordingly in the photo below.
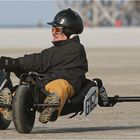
(73, 115)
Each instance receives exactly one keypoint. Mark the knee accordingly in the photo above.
(57, 85)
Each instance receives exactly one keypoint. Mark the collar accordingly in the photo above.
(62, 42)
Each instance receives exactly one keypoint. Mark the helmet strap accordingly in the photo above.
(67, 31)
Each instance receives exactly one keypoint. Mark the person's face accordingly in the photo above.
(57, 33)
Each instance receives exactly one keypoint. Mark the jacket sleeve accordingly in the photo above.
(38, 62)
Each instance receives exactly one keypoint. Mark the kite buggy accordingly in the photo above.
(26, 100)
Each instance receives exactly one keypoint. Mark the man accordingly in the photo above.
(64, 64)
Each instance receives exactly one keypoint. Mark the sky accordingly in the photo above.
(26, 12)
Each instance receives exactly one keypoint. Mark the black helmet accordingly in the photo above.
(69, 20)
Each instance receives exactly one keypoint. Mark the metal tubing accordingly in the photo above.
(116, 99)
(129, 99)
(5, 105)
(46, 105)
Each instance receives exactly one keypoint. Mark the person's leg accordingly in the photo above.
(59, 91)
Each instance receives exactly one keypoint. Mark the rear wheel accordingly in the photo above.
(23, 113)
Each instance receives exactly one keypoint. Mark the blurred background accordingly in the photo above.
(108, 23)
(102, 13)
(95, 13)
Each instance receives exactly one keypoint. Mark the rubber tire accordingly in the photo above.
(4, 124)
(23, 117)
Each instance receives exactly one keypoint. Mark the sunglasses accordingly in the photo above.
(57, 29)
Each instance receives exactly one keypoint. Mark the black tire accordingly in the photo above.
(23, 116)
(4, 124)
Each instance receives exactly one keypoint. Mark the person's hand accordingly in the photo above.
(7, 62)
(2, 61)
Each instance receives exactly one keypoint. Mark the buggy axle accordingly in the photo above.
(116, 99)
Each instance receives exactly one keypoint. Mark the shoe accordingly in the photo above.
(6, 98)
(50, 113)
(7, 114)
(104, 97)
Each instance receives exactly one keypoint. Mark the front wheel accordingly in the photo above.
(4, 124)
(23, 113)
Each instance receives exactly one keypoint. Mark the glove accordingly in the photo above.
(2, 62)
(8, 63)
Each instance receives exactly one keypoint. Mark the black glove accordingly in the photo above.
(8, 63)
(2, 62)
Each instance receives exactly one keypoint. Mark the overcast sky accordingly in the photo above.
(26, 12)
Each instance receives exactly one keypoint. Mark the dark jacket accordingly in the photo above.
(66, 60)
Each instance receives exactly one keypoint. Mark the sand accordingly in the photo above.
(119, 68)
